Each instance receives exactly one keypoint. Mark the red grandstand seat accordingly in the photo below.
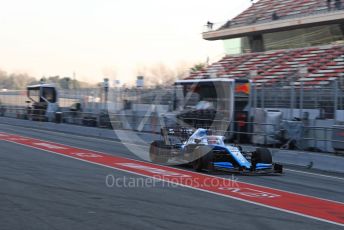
(274, 67)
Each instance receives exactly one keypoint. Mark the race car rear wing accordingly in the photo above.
(180, 132)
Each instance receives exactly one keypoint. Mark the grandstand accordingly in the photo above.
(324, 64)
(282, 43)
(284, 9)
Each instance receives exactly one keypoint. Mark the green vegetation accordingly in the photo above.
(198, 67)
(17, 81)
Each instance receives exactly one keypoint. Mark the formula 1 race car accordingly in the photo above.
(205, 151)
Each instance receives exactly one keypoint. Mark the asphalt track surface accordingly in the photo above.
(39, 190)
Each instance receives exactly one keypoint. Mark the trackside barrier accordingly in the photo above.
(153, 123)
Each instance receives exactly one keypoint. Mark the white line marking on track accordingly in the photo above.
(315, 174)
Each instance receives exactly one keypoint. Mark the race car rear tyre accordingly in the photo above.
(203, 156)
(158, 152)
(197, 165)
(262, 155)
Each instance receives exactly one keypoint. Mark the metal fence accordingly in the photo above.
(327, 99)
(324, 103)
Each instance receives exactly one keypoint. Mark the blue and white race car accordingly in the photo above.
(205, 151)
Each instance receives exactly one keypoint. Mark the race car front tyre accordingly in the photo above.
(158, 152)
(262, 155)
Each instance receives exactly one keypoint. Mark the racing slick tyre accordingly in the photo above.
(197, 165)
(262, 155)
(203, 158)
(158, 152)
